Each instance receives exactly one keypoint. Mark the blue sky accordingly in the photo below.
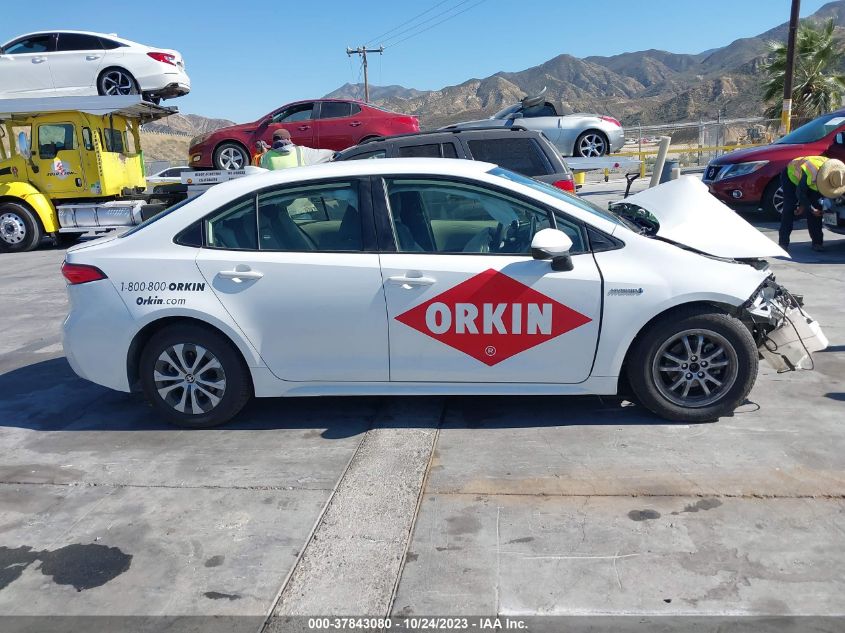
(245, 58)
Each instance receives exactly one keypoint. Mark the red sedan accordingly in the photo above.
(322, 124)
(752, 176)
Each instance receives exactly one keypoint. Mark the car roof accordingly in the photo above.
(482, 131)
(350, 169)
(110, 36)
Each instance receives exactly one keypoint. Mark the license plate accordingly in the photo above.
(831, 218)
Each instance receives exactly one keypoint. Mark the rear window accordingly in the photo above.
(159, 216)
(522, 155)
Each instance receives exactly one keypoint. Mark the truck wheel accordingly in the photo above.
(230, 156)
(693, 365)
(194, 376)
(20, 229)
(773, 199)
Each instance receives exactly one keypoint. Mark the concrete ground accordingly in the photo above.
(516, 506)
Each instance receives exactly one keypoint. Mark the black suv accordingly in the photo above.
(524, 151)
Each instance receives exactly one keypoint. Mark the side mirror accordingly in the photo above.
(554, 245)
(514, 115)
(23, 145)
(840, 138)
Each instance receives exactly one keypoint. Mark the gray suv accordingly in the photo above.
(526, 152)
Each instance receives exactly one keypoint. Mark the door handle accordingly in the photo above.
(38, 60)
(412, 281)
(304, 127)
(91, 58)
(355, 123)
(241, 273)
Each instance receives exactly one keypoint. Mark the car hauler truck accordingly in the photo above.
(73, 165)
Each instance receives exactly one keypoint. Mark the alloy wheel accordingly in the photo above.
(12, 228)
(231, 158)
(592, 145)
(777, 200)
(695, 368)
(116, 82)
(189, 378)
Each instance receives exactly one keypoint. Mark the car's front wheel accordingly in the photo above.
(114, 82)
(693, 365)
(230, 156)
(773, 199)
(591, 144)
(194, 376)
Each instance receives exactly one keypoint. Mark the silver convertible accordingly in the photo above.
(587, 135)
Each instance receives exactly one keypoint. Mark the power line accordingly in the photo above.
(426, 21)
(419, 15)
(472, 6)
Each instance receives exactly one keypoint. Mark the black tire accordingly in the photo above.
(20, 228)
(651, 380)
(116, 81)
(225, 156)
(194, 389)
(601, 144)
(772, 201)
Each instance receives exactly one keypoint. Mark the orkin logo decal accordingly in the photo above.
(492, 317)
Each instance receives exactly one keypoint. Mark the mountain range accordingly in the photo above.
(642, 87)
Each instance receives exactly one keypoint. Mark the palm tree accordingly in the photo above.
(817, 86)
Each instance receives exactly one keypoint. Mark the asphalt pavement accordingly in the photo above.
(511, 506)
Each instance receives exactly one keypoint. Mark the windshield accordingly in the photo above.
(159, 216)
(502, 114)
(815, 130)
(582, 204)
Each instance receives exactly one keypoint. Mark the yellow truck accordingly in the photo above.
(72, 165)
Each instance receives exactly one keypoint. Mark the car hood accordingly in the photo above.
(690, 216)
(773, 152)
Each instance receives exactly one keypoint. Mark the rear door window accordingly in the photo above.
(432, 150)
(335, 109)
(522, 155)
(78, 42)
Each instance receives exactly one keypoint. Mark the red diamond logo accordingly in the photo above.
(492, 317)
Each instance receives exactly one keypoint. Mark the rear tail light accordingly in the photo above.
(610, 119)
(81, 273)
(165, 58)
(566, 185)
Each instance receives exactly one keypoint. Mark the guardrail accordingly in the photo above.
(690, 149)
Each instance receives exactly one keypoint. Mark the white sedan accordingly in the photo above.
(427, 276)
(80, 63)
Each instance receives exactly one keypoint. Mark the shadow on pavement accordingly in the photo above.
(48, 396)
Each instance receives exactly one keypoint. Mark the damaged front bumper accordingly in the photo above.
(786, 335)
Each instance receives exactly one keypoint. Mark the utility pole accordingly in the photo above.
(786, 113)
(362, 51)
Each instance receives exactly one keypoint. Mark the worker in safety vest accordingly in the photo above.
(284, 154)
(805, 181)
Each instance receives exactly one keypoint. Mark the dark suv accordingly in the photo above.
(526, 152)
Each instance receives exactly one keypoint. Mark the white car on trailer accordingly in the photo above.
(426, 276)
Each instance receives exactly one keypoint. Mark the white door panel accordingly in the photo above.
(75, 72)
(484, 318)
(26, 74)
(312, 316)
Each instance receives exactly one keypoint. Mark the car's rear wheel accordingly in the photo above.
(230, 156)
(115, 82)
(194, 376)
(20, 229)
(592, 144)
(773, 199)
(694, 365)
